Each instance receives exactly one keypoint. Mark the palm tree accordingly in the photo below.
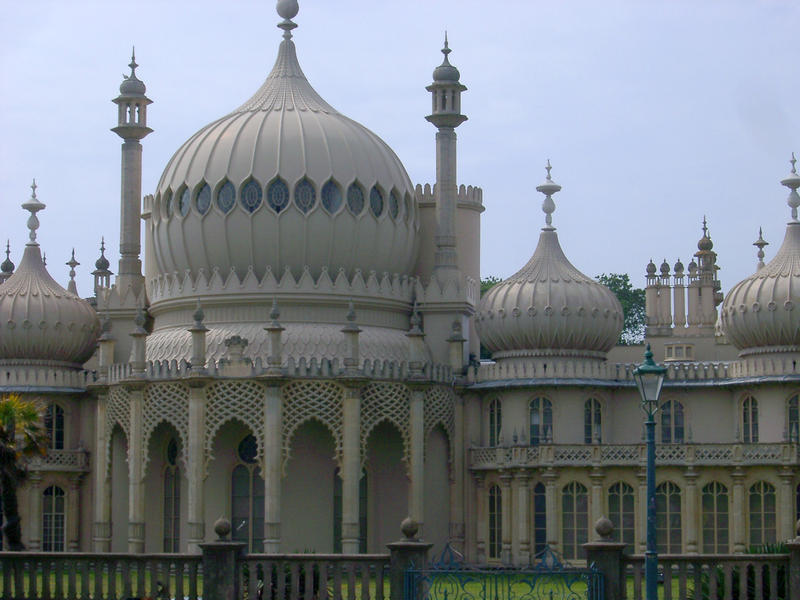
(21, 435)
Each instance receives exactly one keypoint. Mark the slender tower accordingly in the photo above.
(446, 116)
(131, 127)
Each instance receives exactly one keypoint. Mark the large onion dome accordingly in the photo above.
(284, 181)
(549, 308)
(41, 322)
(762, 313)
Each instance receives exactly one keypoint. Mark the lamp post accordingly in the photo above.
(649, 379)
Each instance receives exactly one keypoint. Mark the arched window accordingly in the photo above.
(495, 522)
(715, 518)
(762, 513)
(355, 198)
(305, 196)
(574, 519)
(672, 423)
(621, 513)
(226, 197)
(495, 421)
(278, 195)
(172, 499)
(376, 201)
(592, 422)
(247, 498)
(331, 196)
(539, 518)
(750, 420)
(53, 517)
(251, 195)
(394, 204)
(337, 512)
(541, 421)
(54, 426)
(793, 419)
(668, 518)
(184, 203)
(203, 200)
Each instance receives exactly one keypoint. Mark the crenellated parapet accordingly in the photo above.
(467, 196)
(27, 377)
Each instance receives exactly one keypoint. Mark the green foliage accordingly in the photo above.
(489, 282)
(633, 306)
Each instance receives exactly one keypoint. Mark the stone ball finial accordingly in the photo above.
(604, 528)
(409, 527)
(287, 9)
(222, 527)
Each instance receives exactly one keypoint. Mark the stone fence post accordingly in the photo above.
(406, 553)
(793, 577)
(606, 555)
(220, 580)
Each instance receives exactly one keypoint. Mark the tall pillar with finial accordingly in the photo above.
(132, 128)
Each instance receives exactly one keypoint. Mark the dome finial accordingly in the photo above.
(287, 10)
(33, 206)
(7, 267)
(760, 243)
(548, 188)
(793, 182)
(446, 50)
(133, 64)
(72, 263)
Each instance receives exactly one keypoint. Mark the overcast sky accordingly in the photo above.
(652, 113)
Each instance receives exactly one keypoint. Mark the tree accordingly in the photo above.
(489, 282)
(633, 306)
(21, 436)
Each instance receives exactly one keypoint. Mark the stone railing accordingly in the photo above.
(580, 455)
(30, 377)
(61, 460)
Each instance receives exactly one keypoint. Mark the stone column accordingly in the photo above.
(351, 468)
(135, 475)
(273, 465)
(196, 464)
(101, 535)
(457, 477)
(523, 516)
(551, 506)
(74, 512)
(597, 477)
(641, 507)
(480, 518)
(409, 553)
(35, 508)
(738, 510)
(505, 486)
(417, 467)
(691, 510)
(786, 522)
(220, 564)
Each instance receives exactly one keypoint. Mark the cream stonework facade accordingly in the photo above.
(297, 351)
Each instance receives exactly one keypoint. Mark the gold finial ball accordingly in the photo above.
(604, 527)
(287, 9)
(222, 528)
(409, 527)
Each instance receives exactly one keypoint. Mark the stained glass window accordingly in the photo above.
(251, 195)
(305, 196)
(355, 199)
(278, 195)
(376, 201)
(203, 200)
(394, 204)
(331, 196)
(185, 202)
(226, 197)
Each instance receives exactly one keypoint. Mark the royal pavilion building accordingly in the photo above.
(295, 347)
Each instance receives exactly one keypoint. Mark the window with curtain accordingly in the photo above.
(592, 422)
(539, 518)
(715, 518)
(495, 421)
(574, 519)
(53, 519)
(621, 512)
(495, 522)
(750, 420)
(172, 499)
(762, 513)
(247, 497)
(541, 421)
(668, 518)
(54, 426)
(672, 422)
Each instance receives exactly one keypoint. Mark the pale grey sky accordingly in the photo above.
(652, 113)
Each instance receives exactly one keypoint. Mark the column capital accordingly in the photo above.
(523, 476)
(550, 475)
(597, 475)
(505, 478)
(786, 474)
(479, 477)
(691, 475)
(738, 475)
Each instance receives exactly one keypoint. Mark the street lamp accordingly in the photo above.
(649, 379)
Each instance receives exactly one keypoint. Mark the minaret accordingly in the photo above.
(704, 287)
(446, 116)
(72, 263)
(131, 127)
(102, 276)
(760, 243)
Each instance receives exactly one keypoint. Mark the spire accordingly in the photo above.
(7, 267)
(760, 243)
(793, 182)
(287, 10)
(548, 188)
(72, 263)
(33, 206)
(133, 64)
(446, 73)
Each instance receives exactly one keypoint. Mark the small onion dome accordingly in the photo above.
(692, 267)
(549, 308)
(446, 72)
(7, 267)
(41, 321)
(678, 268)
(102, 264)
(664, 268)
(651, 268)
(132, 85)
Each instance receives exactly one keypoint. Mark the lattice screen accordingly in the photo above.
(305, 400)
(165, 403)
(118, 412)
(234, 401)
(385, 402)
(440, 410)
